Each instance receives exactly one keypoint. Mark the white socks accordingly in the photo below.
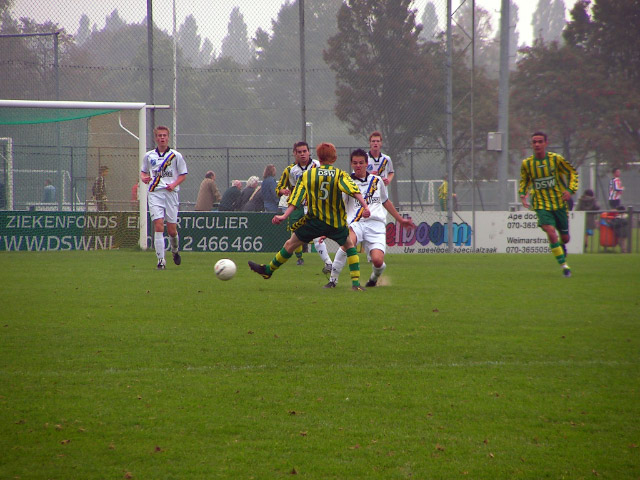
(339, 262)
(377, 272)
(321, 248)
(158, 243)
(174, 242)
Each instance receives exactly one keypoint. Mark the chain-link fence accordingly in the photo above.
(244, 93)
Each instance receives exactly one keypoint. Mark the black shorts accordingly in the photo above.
(309, 228)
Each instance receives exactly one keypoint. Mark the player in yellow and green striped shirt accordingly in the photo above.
(551, 180)
(322, 189)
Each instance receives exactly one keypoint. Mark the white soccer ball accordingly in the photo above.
(225, 269)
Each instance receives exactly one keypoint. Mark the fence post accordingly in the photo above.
(228, 172)
(629, 230)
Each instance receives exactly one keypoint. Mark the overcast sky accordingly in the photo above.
(212, 16)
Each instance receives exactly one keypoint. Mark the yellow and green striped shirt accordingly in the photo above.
(547, 178)
(322, 188)
(284, 179)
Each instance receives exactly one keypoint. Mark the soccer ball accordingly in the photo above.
(225, 269)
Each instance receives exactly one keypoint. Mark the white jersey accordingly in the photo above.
(164, 169)
(375, 194)
(381, 166)
(296, 171)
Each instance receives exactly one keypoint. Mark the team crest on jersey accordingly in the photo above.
(153, 162)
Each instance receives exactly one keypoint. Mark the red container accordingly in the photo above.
(608, 236)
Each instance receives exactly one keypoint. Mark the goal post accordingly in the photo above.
(29, 112)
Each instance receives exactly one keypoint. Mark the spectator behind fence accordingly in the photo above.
(208, 195)
(443, 192)
(269, 195)
(588, 203)
(248, 191)
(231, 197)
(255, 202)
(615, 189)
(49, 193)
(99, 190)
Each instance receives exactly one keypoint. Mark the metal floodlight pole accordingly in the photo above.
(503, 106)
(56, 69)
(303, 95)
(174, 111)
(150, 61)
(449, 115)
(310, 126)
(56, 66)
(473, 135)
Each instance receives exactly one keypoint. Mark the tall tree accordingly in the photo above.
(236, 44)
(385, 79)
(206, 52)
(548, 20)
(579, 29)
(277, 65)
(84, 31)
(487, 39)
(559, 90)
(230, 105)
(114, 21)
(189, 40)
(607, 37)
(429, 19)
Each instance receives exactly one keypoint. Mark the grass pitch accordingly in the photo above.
(457, 366)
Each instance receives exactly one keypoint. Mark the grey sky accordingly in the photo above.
(212, 17)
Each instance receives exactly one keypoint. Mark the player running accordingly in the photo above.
(370, 231)
(552, 180)
(321, 188)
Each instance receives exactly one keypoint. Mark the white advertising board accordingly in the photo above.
(495, 232)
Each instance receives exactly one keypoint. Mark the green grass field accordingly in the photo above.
(468, 366)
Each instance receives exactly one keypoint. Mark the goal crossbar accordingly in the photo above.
(142, 127)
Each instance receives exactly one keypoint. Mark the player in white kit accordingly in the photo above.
(164, 169)
(371, 232)
(379, 163)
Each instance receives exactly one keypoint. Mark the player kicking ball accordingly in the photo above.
(326, 216)
(371, 231)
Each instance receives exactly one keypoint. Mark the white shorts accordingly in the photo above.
(372, 235)
(163, 204)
